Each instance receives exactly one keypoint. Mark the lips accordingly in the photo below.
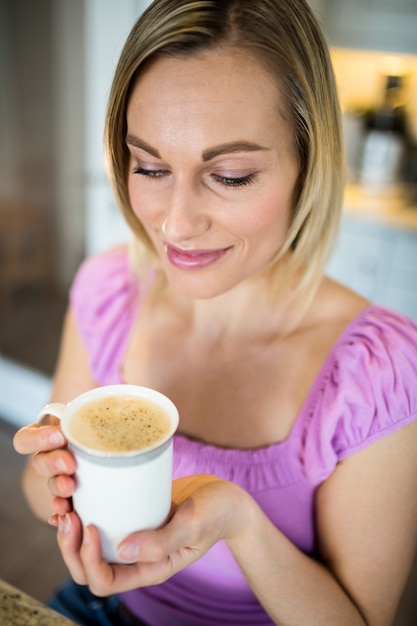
(193, 259)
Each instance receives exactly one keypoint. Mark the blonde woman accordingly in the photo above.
(295, 464)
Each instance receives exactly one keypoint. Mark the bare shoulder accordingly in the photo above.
(336, 306)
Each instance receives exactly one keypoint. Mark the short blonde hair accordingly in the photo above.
(286, 38)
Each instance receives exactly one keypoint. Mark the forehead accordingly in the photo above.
(228, 86)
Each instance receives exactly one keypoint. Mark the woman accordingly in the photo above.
(295, 467)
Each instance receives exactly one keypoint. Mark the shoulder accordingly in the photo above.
(96, 271)
(377, 356)
(104, 300)
(376, 363)
(105, 279)
(370, 340)
(367, 388)
(380, 340)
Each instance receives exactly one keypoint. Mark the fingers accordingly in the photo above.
(158, 554)
(198, 522)
(101, 575)
(108, 578)
(61, 487)
(35, 438)
(151, 546)
(188, 533)
(82, 553)
(62, 505)
(69, 541)
(58, 467)
(54, 462)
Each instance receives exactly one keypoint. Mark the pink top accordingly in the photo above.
(365, 390)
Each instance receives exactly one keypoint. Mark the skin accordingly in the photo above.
(234, 355)
(223, 168)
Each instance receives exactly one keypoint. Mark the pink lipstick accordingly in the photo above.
(193, 259)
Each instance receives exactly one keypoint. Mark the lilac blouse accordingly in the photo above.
(366, 389)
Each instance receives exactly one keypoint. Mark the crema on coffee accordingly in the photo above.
(119, 424)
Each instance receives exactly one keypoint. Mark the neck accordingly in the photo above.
(248, 310)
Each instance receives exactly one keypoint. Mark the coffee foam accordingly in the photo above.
(119, 424)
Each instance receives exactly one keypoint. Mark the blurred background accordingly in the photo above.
(57, 59)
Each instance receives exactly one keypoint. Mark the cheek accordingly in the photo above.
(268, 218)
(140, 202)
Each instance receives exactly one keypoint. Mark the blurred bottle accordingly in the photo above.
(386, 137)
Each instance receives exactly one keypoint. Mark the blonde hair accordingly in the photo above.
(285, 36)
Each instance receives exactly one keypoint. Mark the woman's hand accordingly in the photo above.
(51, 462)
(205, 510)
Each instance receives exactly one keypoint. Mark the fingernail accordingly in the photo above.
(129, 552)
(60, 465)
(56, 438)
(64, 524)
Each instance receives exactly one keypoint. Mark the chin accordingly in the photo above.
(198, 286)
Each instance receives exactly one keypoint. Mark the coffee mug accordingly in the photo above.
(122, 439)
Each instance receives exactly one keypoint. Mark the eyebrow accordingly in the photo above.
(131, 140)
(207, 155)
(230, 148)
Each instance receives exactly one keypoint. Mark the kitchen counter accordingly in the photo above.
(388, 207)
(19, 609)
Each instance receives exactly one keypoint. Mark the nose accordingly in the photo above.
(185, 217)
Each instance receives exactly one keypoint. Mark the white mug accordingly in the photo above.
(120, 492)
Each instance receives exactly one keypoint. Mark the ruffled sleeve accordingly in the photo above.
(368, 389)
(104, 298)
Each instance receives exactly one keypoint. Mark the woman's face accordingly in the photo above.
(213, 168)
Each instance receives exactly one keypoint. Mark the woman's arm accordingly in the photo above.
(366, 533)
(44, 443)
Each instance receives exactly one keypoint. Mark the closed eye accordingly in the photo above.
(230, 181)
(227, 181)
(149, 173)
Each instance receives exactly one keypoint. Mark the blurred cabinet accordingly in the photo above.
(387, 25)
(378, 261)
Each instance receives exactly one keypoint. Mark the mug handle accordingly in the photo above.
(55, 408)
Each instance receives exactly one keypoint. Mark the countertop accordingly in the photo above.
(19, 609)
(389, 207)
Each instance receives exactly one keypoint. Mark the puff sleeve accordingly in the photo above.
(368, 389)
(104, 300)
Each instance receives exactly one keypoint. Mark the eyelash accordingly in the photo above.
(242, 181)
(148, 173)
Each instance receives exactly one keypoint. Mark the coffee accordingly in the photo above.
(119, 424)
